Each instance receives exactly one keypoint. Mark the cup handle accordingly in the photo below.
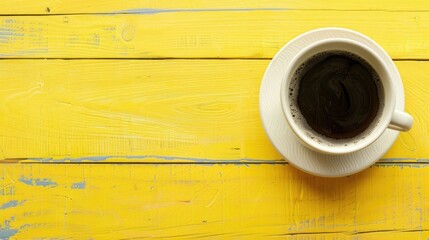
(401, 121)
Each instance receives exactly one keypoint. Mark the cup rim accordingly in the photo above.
(374, 135)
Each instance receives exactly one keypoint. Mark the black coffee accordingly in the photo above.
(338, 96)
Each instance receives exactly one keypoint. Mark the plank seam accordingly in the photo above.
(175, 58)
(150, 11)
(353, 233)
(213, 162)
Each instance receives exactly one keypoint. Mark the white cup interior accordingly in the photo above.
(315, 140)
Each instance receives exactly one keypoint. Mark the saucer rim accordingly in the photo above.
(339, 165)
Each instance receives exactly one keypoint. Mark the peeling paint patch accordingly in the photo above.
(45, 182)
(11, 204)
(79, 185)
(6, 231)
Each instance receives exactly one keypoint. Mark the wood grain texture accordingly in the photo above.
(201, 115)
(211, 202)
(157, 111)
(201, 34)
(109, 6)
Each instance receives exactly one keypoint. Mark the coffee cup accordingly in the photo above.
(338, 97)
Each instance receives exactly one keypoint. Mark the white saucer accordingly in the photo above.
(283, 138)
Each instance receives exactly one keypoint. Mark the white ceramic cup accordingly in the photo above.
(387, 117)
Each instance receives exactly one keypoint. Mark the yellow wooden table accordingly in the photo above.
(139, 119)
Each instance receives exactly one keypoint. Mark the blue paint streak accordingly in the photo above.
(404, 159)
(10, 204)
(155, 11)
(79, 185)
(395, 159)
(24, 51)
(169, 158)
(45, 182)
(402, 165)
(191, 159)
(7, 33)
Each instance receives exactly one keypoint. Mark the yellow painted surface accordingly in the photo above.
(156, 110)
(201, 34)
(212, 201)
(174, 148)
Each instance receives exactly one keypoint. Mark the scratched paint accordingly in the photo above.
(107, 115)
(8, 34)
(43, 182)
(79, 185)
(260, 200)
(11, 32)
(7, 190)
(10, 204)
(235, 37)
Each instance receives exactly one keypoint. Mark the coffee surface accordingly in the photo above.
(338, 97)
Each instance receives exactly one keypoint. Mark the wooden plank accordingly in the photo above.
(108, 6)
(157, 111)
(83, 201)
(211, 34)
